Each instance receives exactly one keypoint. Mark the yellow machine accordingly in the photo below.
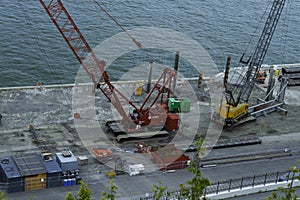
(227, 111)
(234, 109)
(229, 115)
(111, 174)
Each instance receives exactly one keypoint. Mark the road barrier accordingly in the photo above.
(237, 186)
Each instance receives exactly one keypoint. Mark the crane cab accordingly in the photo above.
(229, 115)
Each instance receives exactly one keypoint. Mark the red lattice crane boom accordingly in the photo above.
(95, 68)
(83, 52)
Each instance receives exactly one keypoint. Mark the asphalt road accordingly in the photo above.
(135, 186)
(261, 196)
(140, 185)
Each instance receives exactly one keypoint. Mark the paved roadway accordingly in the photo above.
(141, 184)
(261, 196)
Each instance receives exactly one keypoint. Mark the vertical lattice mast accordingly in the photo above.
(258, 55)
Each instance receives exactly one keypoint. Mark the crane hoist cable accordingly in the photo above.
(121, 27)
(49, 62)
(242, 67)
(286, 31)
(260, 21)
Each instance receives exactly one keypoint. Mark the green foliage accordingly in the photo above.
(31, 197)
(159, 190)
(2, 196)
(196, 185)
(113, 191)
(84, 193)
(69, 196)
(289, 192)
(193, 190)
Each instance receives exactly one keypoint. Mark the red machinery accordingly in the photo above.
(167, 158)
(152, 115)
(170, 158)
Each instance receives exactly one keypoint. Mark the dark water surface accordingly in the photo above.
(32, 50)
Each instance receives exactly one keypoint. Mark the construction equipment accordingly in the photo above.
(170, 158)
(261, 76)
(149, 113)
(134, 169)
(292, 74)
(182, 105)
(233, 110)
(102, 155)
(111, 174)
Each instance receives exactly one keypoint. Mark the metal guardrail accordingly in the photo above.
(240, 183)
(214, 188)
(88, 84)
(229, 185)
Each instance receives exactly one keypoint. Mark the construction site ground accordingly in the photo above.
(49, 110)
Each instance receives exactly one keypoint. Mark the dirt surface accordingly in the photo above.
(49, 110)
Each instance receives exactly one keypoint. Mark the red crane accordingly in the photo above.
(95, 68)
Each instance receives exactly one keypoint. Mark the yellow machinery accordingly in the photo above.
(237, 92)
(229, 115)
(110, 174)
(228, 111)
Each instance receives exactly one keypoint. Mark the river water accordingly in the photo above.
(32, 50)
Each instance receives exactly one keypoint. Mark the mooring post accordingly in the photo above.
(149, 76)
(33, 132)
(175, 69)
(200, 80)
(226, 73)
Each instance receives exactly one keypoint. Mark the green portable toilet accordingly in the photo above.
(185, 105)
(179, 105)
